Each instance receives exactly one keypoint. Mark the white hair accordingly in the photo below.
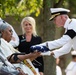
(31, 20)
(3, 26)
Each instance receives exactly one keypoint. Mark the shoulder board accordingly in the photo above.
(70, 21)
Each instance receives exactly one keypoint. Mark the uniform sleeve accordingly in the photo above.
(63, 50)
(67, 47)
(57, 43)
(71, 33)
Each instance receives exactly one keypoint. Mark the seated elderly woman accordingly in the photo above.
(15, 40)
(7, 49)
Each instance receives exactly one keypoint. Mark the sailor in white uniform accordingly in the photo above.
(71, 68)
(58, 68)
(67, 41)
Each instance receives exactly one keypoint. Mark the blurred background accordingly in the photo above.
(13, 11)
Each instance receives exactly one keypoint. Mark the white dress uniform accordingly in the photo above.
(58, 70)
(68, 40)
(15, 42)
(71, 68)
(7, 50)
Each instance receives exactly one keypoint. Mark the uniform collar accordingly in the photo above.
(67, 23)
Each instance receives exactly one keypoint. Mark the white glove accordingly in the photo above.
(48, 53)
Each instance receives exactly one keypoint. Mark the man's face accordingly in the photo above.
(59, 21)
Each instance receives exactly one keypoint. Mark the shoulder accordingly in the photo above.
(71, 66)
(20, 36)
(72, 24)
(37, 37)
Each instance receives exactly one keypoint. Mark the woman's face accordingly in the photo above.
(27, 27)
(7, 34)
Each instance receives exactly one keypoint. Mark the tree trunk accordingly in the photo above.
(47, 32)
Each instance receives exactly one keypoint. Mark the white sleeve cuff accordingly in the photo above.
(48, 53)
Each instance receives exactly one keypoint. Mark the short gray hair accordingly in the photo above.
(3, 26)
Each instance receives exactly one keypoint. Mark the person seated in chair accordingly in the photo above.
(7, 49)
(15, 40)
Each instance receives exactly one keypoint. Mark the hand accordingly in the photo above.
(21, 71)
(39, 48)
(34, 55)
(52, 53)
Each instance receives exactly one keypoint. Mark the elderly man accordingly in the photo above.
(8, 50)
(67, 41)
(71, 68)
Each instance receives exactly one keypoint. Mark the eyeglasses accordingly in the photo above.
(11, 31)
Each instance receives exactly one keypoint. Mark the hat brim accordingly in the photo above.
(53, 16)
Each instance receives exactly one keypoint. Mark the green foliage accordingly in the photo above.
(20, 7)
(26, 7)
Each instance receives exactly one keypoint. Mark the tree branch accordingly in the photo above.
(57, 4)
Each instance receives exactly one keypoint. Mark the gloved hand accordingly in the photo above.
(39, 48)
